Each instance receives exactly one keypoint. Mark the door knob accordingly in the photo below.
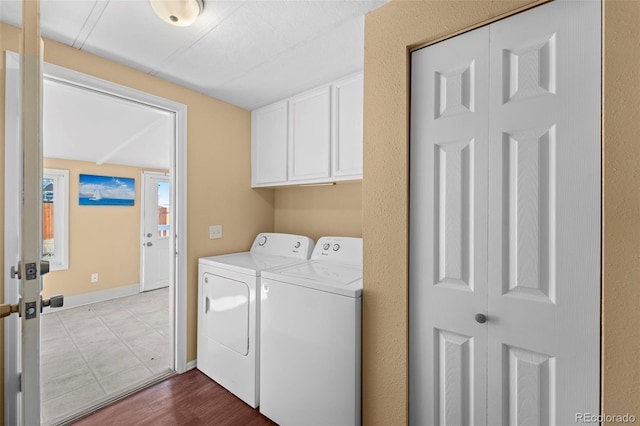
(54, 302)
(481, 318)
(149, 244)
(149, 235)
(44, 267)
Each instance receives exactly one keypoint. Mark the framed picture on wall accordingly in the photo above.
(106, 191)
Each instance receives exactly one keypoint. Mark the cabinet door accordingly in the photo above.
(269, 145)
(310, 136)
(347, 128)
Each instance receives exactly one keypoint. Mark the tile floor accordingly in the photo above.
(92, 352)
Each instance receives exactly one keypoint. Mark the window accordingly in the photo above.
(164, 222)
(55, 218)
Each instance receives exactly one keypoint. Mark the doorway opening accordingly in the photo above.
(165, 117)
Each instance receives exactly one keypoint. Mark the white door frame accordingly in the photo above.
(143, 208)
(178, 205)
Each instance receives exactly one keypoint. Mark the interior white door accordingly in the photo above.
(449, 230)
(30, 268)
(539, 229)
(156, 231)
(544, 217)
(12, 250)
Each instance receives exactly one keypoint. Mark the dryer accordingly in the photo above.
(310, 337)
(229, 310)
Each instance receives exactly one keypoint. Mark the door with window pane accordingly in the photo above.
(156, 231)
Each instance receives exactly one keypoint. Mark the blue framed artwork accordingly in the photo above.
(106, 191)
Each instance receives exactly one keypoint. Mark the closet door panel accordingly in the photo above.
(448, 231)
(544, 215)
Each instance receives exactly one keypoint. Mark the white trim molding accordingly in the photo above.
(95, 297)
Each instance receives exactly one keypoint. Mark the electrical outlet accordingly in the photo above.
(215, 232)
(94, 278)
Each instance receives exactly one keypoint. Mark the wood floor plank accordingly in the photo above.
(189, 399)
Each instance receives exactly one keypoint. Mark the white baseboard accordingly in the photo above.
(191, 365)
(96, 296)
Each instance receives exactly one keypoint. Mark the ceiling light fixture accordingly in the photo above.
(180, 13)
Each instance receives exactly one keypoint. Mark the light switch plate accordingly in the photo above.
(215, 232)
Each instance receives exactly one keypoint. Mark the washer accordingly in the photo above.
(310, 337)
(229, 312)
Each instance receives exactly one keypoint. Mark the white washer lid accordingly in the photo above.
(320, 275)
(247, 262)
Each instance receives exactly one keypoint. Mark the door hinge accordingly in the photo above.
(20, 382)
(15, 271)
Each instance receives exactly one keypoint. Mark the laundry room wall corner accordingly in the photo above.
(320, 211)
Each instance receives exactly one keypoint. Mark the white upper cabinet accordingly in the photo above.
(310, 135)
(269, 145)
(313, 137)
(347, 128)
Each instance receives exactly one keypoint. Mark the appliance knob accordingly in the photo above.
(326, 246)
(297, 245)
(262, 241)
(336, 247)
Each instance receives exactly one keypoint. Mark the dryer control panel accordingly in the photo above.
(276, 244)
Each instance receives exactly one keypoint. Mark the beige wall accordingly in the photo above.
(102, 239)
(389, 32)
(316, 211)
(218, 162)
(621, 209)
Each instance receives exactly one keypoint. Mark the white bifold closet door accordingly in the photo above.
(505, 222)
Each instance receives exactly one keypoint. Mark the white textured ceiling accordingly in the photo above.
(246, 52)
(80, 124)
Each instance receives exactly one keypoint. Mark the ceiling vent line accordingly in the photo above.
(90, 24)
